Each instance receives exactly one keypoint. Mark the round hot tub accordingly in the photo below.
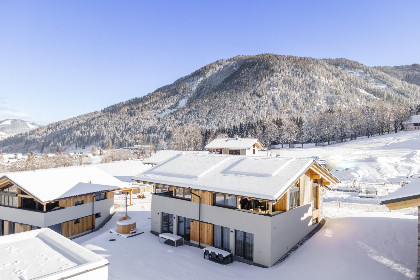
(125, 225)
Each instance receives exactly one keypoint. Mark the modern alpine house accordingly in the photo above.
(257, 208)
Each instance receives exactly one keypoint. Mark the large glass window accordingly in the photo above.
(184, 225)
(167, 222)
(244, 245)
(162, 189)
(294, 197)
(183, 193)
(234, 152)
(221, 237)
(225, 200)
(100, 196)
(11, 227)
(8, 196)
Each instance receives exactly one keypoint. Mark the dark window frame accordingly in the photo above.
(167, 223)
(225, 200)
(79, 202)
(244, 248)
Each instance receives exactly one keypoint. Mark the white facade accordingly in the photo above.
(413, 123)
(274, 235)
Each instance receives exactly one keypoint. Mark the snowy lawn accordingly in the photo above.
(353, 244)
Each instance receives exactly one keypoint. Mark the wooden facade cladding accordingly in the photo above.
(206, 197)
(69, 202)
(22, 228)
(71, 228)
(206, 232)
(88, 198)
(283, 203)
(403, 204)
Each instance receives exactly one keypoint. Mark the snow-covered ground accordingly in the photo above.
(366, 242)
(360, 240)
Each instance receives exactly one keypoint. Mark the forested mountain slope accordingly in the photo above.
(407, 73)
(274, 97)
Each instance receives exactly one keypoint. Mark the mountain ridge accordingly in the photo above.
(240, 91)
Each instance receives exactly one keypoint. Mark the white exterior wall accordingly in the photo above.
(410, 126)
(288, 228)
(273, 236)
(41, 219)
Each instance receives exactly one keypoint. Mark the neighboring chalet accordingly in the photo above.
(407, 196)
(235, 146)
(258, 208)
(70, 200)
(44, 254)
(413, 123)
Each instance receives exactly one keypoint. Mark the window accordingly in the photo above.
(244, 245)
(183, 193)
(80, 202)
(76, 221)
(184, 225)
(167, 222)
(314, 194)
(294, 197)
(11, 227)
(162, 189)
(225, 200)
(234, 152)
(97, 215)
(221, 237)
(8, 196)
(1, 227)
(100, 196)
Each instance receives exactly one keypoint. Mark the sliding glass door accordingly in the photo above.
(184, 227)
(167, 222)
(221, 238)
(244, 245)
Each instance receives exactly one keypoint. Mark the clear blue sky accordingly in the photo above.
(60, 59)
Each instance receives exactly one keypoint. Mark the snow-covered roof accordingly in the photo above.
(44, 254)
(414, 119)
(164, 155)
(407, 192)
(232, 143)
(123, 170)
(57, 183)
(160, 156)
(259, 177)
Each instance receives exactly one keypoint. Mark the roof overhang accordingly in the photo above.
(403, 202)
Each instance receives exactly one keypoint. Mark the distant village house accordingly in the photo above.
(235, 146)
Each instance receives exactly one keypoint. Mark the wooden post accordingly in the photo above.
(418, 244)
(270, 207)
(45, 207)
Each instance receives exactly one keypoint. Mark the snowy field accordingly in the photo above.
(360, 240)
